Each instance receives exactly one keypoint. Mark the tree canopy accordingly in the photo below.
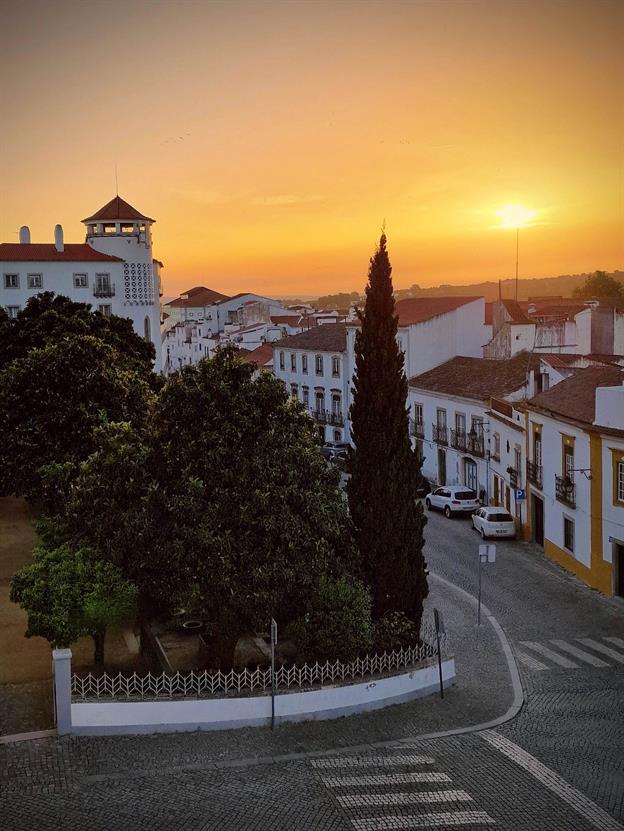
(600, 284)
(385, 472)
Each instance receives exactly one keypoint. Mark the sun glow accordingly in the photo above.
(515, 216)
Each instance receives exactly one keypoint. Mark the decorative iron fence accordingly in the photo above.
(534, 473)
(417, 429)
(439, 434)
(458, 439)
(207, 683)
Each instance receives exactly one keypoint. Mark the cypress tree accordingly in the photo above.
(385, 471)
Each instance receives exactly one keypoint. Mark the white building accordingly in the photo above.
(575, 472)
(313, 368)
(194, 304)
(220, 311)
(113, 270)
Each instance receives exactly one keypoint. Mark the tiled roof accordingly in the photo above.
(515, 311)
(261, 356)
(76, 252)
(290, 320)
(197, 297)
(117, 208)
(331, 337)
(575, 397)
(418, 309)
(478, 378)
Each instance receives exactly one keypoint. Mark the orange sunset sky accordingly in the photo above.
(270, 140)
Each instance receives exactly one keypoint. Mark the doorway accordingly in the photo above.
(470, 475)
(538, 520)
(441, 466)
(618, 569)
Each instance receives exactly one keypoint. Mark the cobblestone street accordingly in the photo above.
(558, 765)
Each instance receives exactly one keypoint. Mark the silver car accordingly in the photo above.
(453, 499)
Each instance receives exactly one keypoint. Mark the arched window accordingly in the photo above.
(147, 327)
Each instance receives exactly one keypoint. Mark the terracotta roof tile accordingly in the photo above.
(198, 297)
(419, 309)
(261, 356)
(575, 397)
(330, 337)
(478, 378)
(117, 208)
(78, 252)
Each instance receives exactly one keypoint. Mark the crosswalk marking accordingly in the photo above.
(599, 647)
(531, 662)
(581, 654)
(384, 779)
(616, 641)
(437, 820)
(387, 761)
(548, 653)
(421, 797)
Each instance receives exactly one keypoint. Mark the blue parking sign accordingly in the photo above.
(520, 494)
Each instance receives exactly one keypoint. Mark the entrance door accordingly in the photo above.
(538, 520)
(618, 565)
(470, 475)
(441, 467)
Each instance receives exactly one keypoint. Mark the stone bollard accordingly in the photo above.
(61, 666)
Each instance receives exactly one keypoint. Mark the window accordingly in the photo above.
(105, 310)
(496, 448)
(102, 283)
(441, 417)
(568, 534)
(306, 395)
(304, 364)
(11, 281)
(336, 403)
(477, 425)
(12, 311)
(147, 329)
(319, 400)
(293, 362)
(568, 461)
(294, 390)
(109, 228)
(80, 281)
(418, 413)
(460, 422)
(517, 458)
(400, 344)
(335, 367)
(618, 477)
(319, 364)
(282, 365)
(35, 281)
(127, 228)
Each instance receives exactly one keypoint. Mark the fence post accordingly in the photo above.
(61, 667)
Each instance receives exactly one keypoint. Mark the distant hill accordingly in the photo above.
(561, 286)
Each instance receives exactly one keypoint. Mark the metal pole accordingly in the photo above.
(479, 603)
(440, 664)
(517, 250)
(273, 642)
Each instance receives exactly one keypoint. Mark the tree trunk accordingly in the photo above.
(98, 655)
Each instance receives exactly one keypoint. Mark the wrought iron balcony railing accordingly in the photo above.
(476, 444)
(418, 429)
(103, 290)
(534, 474)
(565, 491)
(336, 419)
(515, 477)
(440, 434)
(458, 439)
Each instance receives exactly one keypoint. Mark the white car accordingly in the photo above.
(494, 522)
(453, 499)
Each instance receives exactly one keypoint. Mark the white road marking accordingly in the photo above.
(616, 641)
(548, 653)
(437, 820)
(580, 654)
(377, 762)
(531, 663)
(378, 800)
(575, 799)
(600, 647)
(384, 779)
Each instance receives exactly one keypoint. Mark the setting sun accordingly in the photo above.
(516, 216)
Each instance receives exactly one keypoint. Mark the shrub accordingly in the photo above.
(339, 625)
(394, 631)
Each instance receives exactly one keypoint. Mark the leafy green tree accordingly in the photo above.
(53, 399)
(342, 300)
(70, 593)
(600, 284)
(223, 492)
(48, 319)
(385, 472)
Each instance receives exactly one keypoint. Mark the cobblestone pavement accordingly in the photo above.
(558, 765)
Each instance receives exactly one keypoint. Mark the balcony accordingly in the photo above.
(440, 434)
(458, 439)
(534, 474)
(476, 444)
(565, 491)
(103, 290)
(332, 417)
(418, 429)
(515, 477)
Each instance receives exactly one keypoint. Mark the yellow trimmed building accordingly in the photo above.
(575, 475)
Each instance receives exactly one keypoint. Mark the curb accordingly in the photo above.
(27, 737)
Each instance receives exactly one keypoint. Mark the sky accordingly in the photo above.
(272, 140)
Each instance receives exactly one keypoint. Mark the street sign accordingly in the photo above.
(487, 553)
(520, 494)
(439, 623)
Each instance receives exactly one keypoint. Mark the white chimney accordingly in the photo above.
(24, 235)
(58, 238)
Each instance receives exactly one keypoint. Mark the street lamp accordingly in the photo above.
(516, 216)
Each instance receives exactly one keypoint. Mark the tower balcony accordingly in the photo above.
(104, 290)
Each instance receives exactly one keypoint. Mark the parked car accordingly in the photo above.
(332, 448)
(453, 499)
(423, 488)
(494, 522)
